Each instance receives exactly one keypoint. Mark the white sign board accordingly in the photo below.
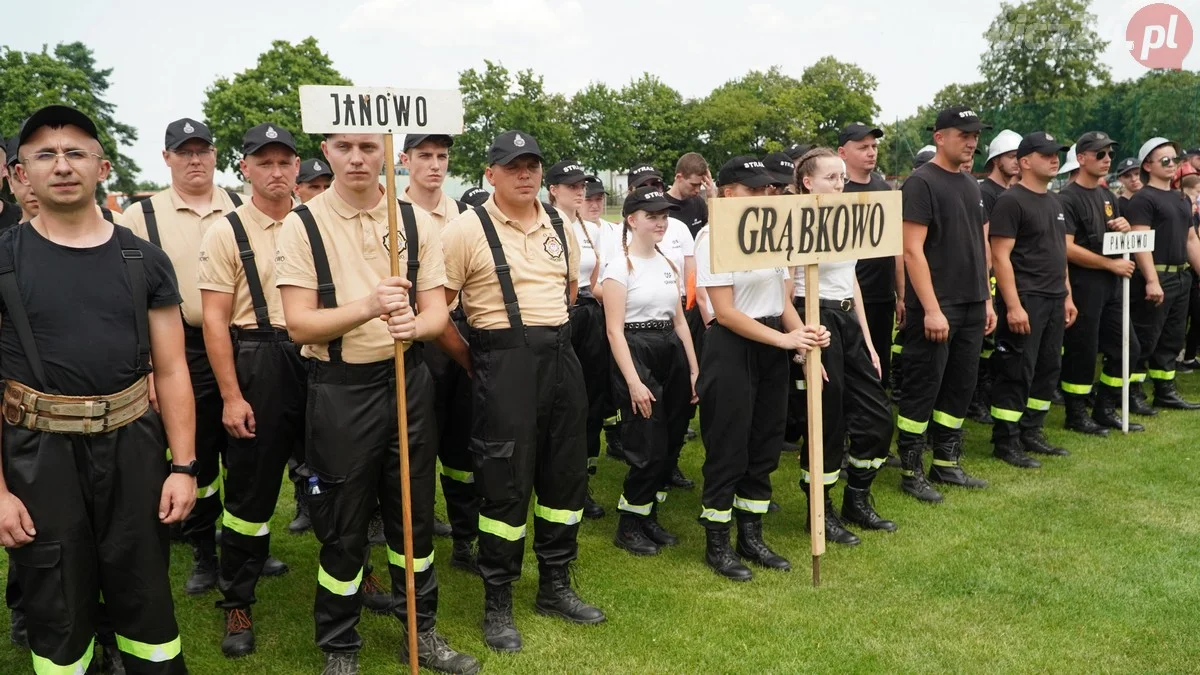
(1116, 243)
(380, 110)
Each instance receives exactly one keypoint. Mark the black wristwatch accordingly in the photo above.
(191, 468)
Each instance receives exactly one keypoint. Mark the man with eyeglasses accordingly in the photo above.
(175, 220)
(1162, 279)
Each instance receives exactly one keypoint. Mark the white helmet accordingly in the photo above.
(928, 148)
(1005, 141)
(1152, 145)
(1072, 162)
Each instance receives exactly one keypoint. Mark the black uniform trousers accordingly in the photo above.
(743, 409)
(853, 401)
(939, 377)
(650, 444)
(527, 437)
(1025, 368)
(452, 410)
(200, 525)
(589, 337)
(881, 320)
(1193, 334)
(354, 450)
(94, 501)
(272, 377)
(1097, 329)
(1162, 329)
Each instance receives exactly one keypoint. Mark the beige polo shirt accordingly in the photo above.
(443, 213)
(181, 229)
(358, 261)
(540, 268)
(221, 265)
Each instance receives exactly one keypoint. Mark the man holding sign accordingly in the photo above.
(332, 265)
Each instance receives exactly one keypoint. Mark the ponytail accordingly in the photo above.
(625, 242)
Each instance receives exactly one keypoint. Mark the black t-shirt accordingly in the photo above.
(990, 190)
(10, 215)
(1169, 214)
(876, 276)
(1123, 205)
(80, 308)
(948, 203)
(1039, 255)
(693, 211)
(1088, 211)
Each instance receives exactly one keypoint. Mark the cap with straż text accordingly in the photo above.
(858, 131)
(56, 116)
(798, 150)
(311, 169)
(510, 145)
(1041, 143)
(566, 172)
(183, 130)
(643, 174)
(263, 135)
(594, 186)
(781, 167)
(960, 117)
(413, 140)
(648, 199)
(474, 196)
(744, 170)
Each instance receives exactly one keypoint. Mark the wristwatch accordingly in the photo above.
(191, 468)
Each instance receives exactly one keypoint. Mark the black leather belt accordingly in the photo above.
(260, 334)
(842, 305)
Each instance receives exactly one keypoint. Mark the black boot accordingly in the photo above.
(341, 663)
(1167, 396)
(947, 464)
(612, 439)
(434, 653)
(374, 596)
(835, 531)
(204, 568)
(1009, 450)
(556, 598)
(274, 567)
(375, 534)
(1078, 419)
(1106, 412)
(239, 633)
(750, 546)
(17, 631)
(1035, 441)
(630, 536)
(302, 522)
(721, 558)
(1137, 401)
(592, 510)
(656, 532)
(678, 480)
(912, 468)
(499, 631)
(858, 509)
(464, 557)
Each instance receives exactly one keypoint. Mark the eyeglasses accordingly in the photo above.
(1168, 161)
(73, 157)
(192, 154)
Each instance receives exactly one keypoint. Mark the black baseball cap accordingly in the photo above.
(781, 167)
(566, 172)
(1128, 164)
(649, 199)
(182, 130)
(857, 132)
(311, 169)
(1191, 152)
(263, 135)
(745, 170)
(510, 145)
(56, 116)
(959, 117)
(798, 150)
(641, 174)
(413, 140)
(474, 196)
(1094, 140)
(11, 149)
(594, 186)
(1041, 143)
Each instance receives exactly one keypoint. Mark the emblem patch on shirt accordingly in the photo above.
(388, 247)
(1108, 209)
(554, 247)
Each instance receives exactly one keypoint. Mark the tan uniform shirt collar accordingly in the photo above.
(259, 218)
(341, 207)
(217, 204)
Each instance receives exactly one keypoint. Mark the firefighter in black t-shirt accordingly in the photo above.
(1131, 181)
(948, 309)
(1033, 303)
(86, 492)
(1161, 278)
(1091, 211)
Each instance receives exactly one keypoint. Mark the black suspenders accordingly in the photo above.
(253, 283)
(134, 270)
(413, 242)
(152, 220)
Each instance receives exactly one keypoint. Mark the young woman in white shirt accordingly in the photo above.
(743, 390)
(854, 404)
(654, 366)
(566, 182)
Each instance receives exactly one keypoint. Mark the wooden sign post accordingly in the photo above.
(1126, 243)
(749, 233)
(387, 111)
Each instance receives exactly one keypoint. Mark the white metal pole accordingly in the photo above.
(1125, 353)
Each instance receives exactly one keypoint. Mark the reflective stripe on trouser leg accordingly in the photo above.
(590, 342)
(154, 653)
(210, 442)
(1026, 367)
(828, 478)
(940, 376)
(1097, 297)
(44, 666)
(636, 509)
(1173, 336)
(452, 409)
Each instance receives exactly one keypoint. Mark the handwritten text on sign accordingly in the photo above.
(1128, 242)
(380, 110)
(750, 233)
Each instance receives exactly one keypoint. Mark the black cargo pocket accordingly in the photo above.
(493, 469)
(322, 508)
(37, 569)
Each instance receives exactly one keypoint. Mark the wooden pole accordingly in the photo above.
(410, 584)
(816, 440)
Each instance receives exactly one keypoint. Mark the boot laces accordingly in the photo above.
(237, 621)
(436, 645)
(371, 585)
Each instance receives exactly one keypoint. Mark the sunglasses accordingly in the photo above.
(1103, 154)
(1168, 161)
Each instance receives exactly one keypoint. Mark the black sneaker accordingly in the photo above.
(341, 663)
(274, 567)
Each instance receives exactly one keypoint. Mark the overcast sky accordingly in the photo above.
(164, 54)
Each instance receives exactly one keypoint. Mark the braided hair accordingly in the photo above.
(807, 166)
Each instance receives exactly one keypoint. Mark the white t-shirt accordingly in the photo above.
(651, 289)
(757, 294)
(586, 234)
(677, 243)
(836, 280)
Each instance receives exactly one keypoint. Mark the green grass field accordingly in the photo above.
(1088, 565)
